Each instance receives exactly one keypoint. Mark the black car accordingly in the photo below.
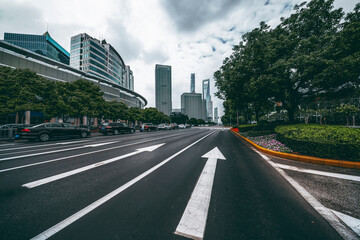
(147, 127)
(8, 130)
(46, 131)
(115, 128)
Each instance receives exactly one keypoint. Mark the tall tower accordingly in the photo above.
(192, 84)
(207, 98)
(163, 101)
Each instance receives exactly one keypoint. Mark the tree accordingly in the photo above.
(347, 110)
(116, 111)
(179, 118)
(152, 115)
(22, 90)
(135, 114)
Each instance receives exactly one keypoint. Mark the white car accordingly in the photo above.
(182, 126)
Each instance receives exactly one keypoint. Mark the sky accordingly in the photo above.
(192, 36)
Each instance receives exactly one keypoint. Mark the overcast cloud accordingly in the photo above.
(193, 36)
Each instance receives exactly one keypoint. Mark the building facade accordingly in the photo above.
(192, 105)
(17, 57)
(216, 115)
(192, 83)
(41, 44)
(163, 96)
(97, 58)
(207, 98)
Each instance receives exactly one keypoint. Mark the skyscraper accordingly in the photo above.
(40, 44)
(207, 97)
(192, 105)
(192, 84)
(163, 101)
(97, 58)
(216, 115)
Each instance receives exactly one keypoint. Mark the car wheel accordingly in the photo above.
(44, 137)
(116, 132)
(83, 134)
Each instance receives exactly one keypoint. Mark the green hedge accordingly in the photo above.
(325, 141)
(245, 128)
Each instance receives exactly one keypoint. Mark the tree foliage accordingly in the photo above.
(312, 54)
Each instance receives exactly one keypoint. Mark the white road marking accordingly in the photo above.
(322, 173)
(353, 223)
(42, 145)
(88, 167)
(101, 144)
(193, 221)
(321, 209)
(63, 224)
(83, 154)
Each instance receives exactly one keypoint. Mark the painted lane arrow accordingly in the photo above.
(82, 169)
(193, 221)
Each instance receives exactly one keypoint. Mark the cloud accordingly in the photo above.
(190, 15)
(20, 18)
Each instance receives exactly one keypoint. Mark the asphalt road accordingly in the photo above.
(138, 186)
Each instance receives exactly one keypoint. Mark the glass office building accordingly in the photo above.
(41, 44)
(98, 58)
(207, 98)
(163, 100)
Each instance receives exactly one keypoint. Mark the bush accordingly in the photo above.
(325, 141)
(245, 128)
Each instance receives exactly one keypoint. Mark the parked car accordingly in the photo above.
(147, 127)
(182, 126)
(8, 130)
(163, 126)
(174, 126)
(115, 128)
(46, 131)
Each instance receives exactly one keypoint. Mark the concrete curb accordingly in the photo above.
(301, 158)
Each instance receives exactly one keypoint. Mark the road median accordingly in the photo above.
(303, 158)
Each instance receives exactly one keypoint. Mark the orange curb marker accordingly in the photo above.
(302, 158)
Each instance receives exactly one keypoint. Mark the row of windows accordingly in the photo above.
(98, 53)
(75, 40)
(97, 58)
(97, 64)
(93, 44)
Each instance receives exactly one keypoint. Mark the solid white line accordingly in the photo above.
(321, 209)
(327, 174)
(58, 227)
(87, 153)
(193, 221)
(352, 222)
(42, 145)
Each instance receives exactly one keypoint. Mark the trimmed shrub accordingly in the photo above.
(325, 141)
(245, 128)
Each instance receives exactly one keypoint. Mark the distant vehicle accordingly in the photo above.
(182, 126)
(163, 126)
(174, 126)
(47, 131)
(147, 127)
(115, 128)
(188, 125)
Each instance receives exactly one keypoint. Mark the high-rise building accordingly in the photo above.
(216, 115)
(192, 105)
(129, 78)
(207, 97)
(40, 44)
(163, 100)
(192, 83)
(97, 58)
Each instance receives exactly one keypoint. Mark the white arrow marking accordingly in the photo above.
(193, 221)
(63, 224)
(95, 165)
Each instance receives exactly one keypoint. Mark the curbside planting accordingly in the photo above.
(301, 158)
